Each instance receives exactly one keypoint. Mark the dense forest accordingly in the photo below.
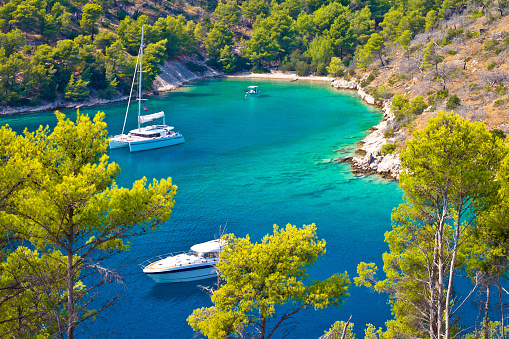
(74, 50)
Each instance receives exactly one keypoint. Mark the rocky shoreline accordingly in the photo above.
(368, 159)
(174, 74)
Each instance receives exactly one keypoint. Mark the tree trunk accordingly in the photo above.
(71, 322)
(486, 324)
(262, 329)
(502, 323)
(457, 235)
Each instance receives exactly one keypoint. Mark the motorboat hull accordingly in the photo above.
(153, 143)
(197, 264)
(184, 274)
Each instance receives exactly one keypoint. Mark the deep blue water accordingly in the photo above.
(248, 163)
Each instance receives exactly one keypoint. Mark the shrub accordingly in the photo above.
(193, 67)
(302, 68)
(388, 148)
(490, 45)
(498, 133)
(453, 102)
(370, 78)
(389, 134)
(399, 106)
(417, 106)
(321, 69)
(381, 92)
(491, 65)
(499, 102)
(395, 78)
(500, 89)
(470, 35)
(451, 52)
(259, 70)
(442, 94)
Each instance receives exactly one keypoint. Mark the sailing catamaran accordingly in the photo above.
(147, 137)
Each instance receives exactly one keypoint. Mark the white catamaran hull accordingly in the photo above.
(118, 142)
(143, 145)
(185, 274)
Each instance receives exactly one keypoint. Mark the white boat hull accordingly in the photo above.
(143, 145)
(118, 142)
(184, 274)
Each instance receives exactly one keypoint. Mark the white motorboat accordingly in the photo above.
(197, 264)
(147, 137)
(253, 90)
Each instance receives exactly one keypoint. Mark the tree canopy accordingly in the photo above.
(59, 198)
(259, 278)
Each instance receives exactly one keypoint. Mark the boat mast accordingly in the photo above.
(141, 70)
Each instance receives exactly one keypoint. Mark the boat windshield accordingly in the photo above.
(205, 254)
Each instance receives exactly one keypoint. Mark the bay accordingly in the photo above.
(247, 164)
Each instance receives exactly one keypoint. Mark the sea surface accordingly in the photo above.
(247, 164)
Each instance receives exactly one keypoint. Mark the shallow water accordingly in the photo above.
(249, 163)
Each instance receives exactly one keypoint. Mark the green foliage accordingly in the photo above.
(228, 12)
(227, 60)
(336, 330)
(77, 90)
(430, 58)
(403, 109)
(494, 331)
(452, 52)
(369, 78)
(491, 65)
(258, 70)
(194, 67)
(258, 278)
(219, 37)
(60, 198)
(452, 102)
(498, 133)
(444, 184)
(373, 47)
(490, 45)
(388, 148)
(336, 67)
(498, 103)
(389, 134)
(302, 68)
(91, 13)
(431, 20)
(381, 92)
(251, 9)
(395, 78)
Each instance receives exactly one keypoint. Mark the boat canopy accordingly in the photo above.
(252, 86)
(150, 117)
(209, 246)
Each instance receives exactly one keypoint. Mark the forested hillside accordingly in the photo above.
(421, 49)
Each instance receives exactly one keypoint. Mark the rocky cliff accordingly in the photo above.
(370, 159)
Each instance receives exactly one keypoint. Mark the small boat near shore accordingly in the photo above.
(197, 264)
(253, 90)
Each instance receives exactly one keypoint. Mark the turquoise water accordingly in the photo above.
(248, 163)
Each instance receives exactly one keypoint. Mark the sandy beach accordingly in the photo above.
(280, 75)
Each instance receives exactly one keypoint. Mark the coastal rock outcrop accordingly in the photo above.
(344, 84)
(374, 161)
(175, 74)
(370, 159)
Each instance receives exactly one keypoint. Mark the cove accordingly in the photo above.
(247, 164)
